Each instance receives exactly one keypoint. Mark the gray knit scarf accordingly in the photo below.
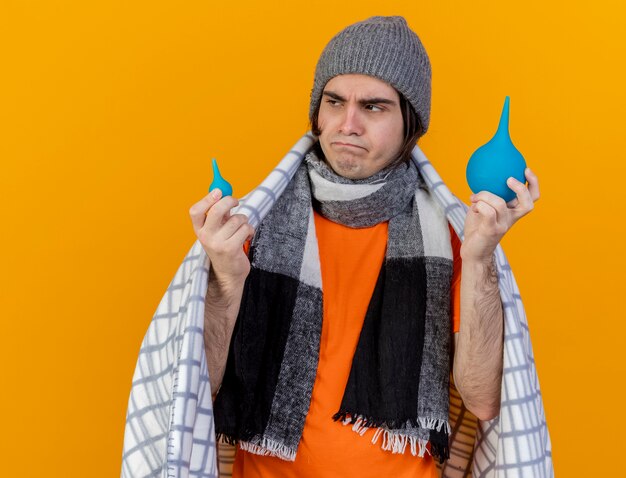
(399, 378)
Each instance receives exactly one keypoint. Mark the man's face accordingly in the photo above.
(361, 125)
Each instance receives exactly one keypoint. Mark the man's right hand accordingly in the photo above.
(222, 236)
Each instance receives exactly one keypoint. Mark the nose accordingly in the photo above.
(351, 122)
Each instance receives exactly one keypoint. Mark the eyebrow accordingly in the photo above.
(363, 102)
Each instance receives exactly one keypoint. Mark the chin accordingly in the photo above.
(347, 168)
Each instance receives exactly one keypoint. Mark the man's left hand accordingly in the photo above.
(490, 217)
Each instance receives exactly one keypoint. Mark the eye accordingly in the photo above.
(374, 106)
(332, 102)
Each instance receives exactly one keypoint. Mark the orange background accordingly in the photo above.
(110, 112)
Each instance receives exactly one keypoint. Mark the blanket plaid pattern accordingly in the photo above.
(169, 430)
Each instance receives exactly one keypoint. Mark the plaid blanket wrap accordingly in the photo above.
(169, 429)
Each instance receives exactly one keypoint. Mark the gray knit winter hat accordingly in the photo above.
(384, 47)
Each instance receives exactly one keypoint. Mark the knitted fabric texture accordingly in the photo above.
(384, 47)
(399, 379)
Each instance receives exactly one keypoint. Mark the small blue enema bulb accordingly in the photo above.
(493, 163)
(219, 182)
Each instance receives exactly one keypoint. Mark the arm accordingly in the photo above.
(222, 236)
(220, 313)
(478, 355)
(477, 367)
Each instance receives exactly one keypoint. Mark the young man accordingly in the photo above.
(373, 349)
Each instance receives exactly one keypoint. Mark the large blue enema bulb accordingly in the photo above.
(219, 182)
(493, 163)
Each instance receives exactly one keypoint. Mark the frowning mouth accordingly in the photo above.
(347, 145)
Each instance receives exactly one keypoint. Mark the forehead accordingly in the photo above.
(361, 85)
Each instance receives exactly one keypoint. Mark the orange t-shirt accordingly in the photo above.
(350, 260)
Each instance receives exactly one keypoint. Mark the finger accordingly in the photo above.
(219, 213)
(533, 184)
(525, 202)
(245, 232)
(231, 226)
(488, 212)
(199, 210)
(512, 203)
(496, 202)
